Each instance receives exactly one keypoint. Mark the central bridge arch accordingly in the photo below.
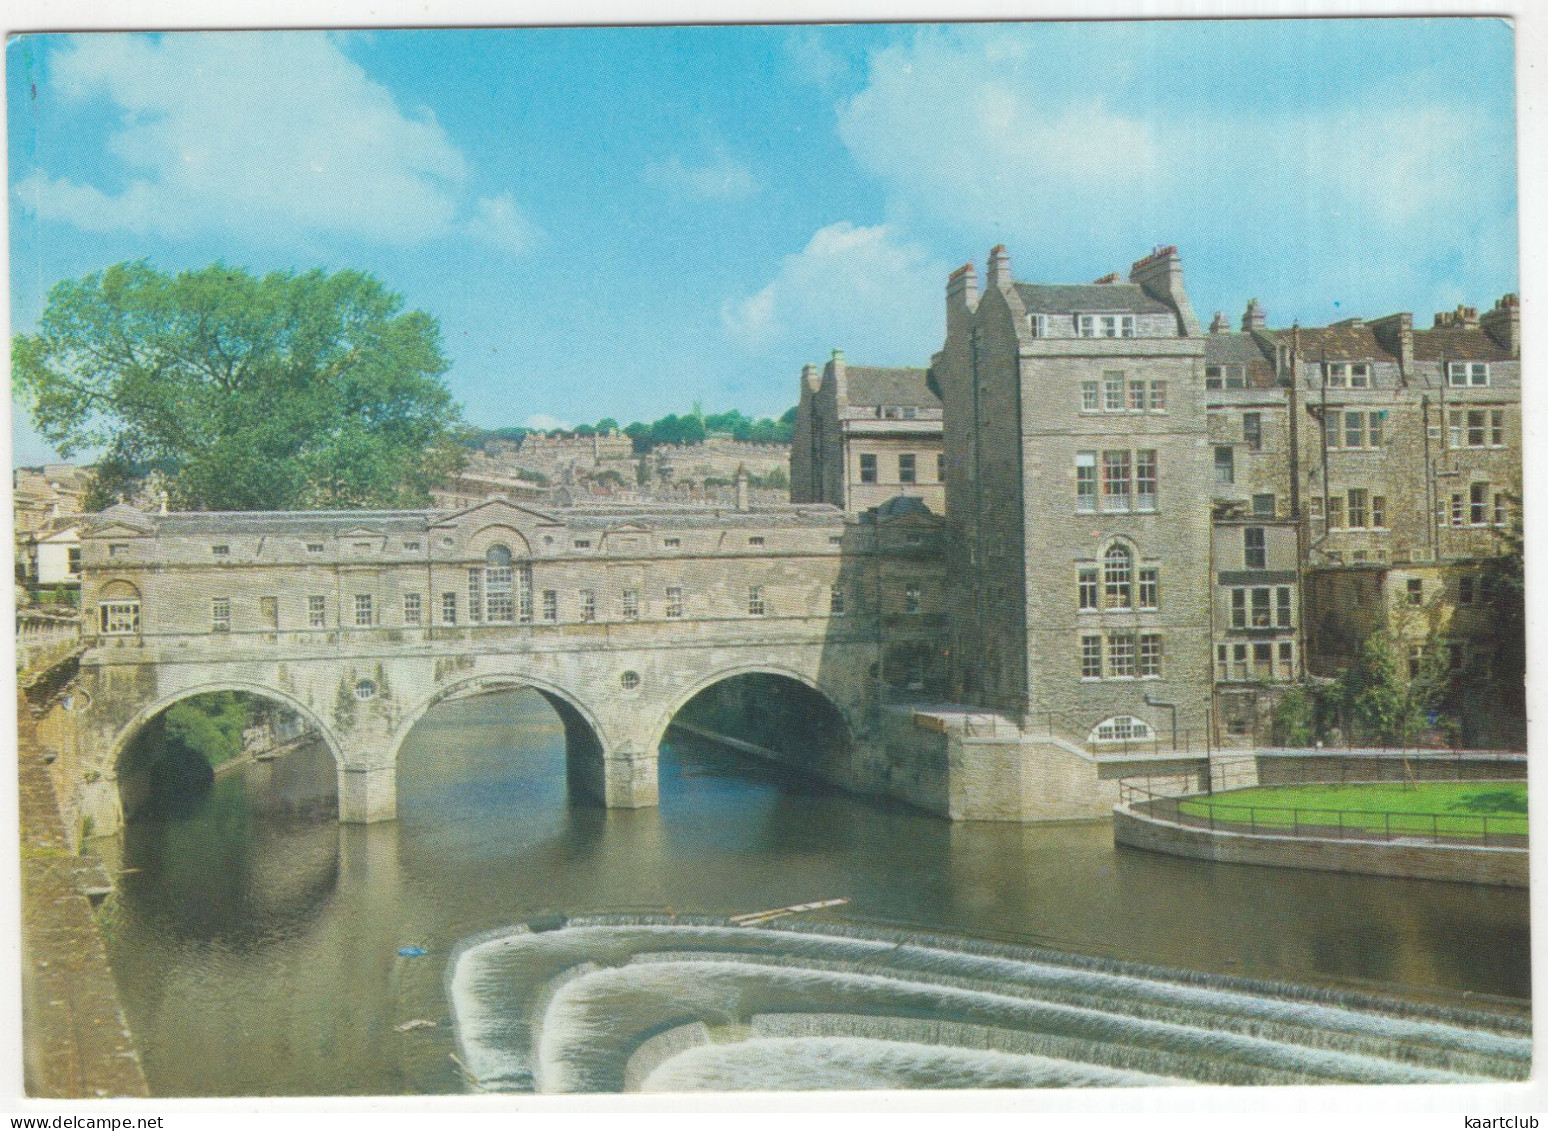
(586, 739)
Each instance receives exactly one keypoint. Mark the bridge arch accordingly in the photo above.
(826, 723)
(126, 734)
(586, 740)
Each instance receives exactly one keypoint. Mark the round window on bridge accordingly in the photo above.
(629, 681)
(365, 689)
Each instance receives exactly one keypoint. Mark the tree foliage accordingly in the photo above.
(690, 428)
(210, 725)
(245, 393)
(1383, 703)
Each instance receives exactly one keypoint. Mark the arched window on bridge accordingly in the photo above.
(1121, 728)
(501, 589)
(118, 609)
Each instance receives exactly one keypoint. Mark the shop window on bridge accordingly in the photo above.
(1121, 728)
(118, 618)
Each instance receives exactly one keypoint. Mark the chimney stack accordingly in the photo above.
(1503, 323)
(961, 296)
(1160, 274)
(1254, 317)
(1219, 325)
(1396, 335)
(999, 274)
(811, 378)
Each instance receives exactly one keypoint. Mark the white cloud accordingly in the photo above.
(987, 134)
(500, 221)
(543, 422)
(722, 177)
(811, 60)
(861, 289)
(272, 134)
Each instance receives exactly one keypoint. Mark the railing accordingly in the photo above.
(1205, 811)
(1367, 767)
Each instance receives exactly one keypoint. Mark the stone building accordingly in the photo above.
(865, 435)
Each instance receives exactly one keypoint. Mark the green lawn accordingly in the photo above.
(1453, 809)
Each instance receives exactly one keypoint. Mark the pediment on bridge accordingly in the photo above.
(496, 509)
(629, 528)
(118, 530)
(362, 532)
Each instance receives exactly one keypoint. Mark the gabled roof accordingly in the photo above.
(1089, 298)
(1340, 342)
(872, 385)
(1459, 343)
(1229, 348)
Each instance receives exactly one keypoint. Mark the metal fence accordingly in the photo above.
(1208, 811)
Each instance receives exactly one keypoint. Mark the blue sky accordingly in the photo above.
(620, 222)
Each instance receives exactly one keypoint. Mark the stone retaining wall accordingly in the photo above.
(1462, 863)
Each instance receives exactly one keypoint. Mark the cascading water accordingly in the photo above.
(614, 1003)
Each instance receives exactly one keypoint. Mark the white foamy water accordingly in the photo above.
(605, 1004)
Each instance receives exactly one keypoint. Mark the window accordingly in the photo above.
(1255, 548)
(317, 612)
(1085, 482)
(867, 467)
(1349, 375)
(475, 594)
(1149, 588)
(1225, 376)
(550, 605)
(1090, 657)
(1501, 509)
(911, 598)
(1458, 511)
(411, 547)
(1260, 609)
(1476, 428)
(1282, 607)
(1105, 325)
(221, 551)
(906, 472)
(940, 467)
(1238, 661)
(755, 606)
(117, 549)
(1117, 567)
(1238, 608)
(583, 543)
(674, 602)
(1478, 504)
(672, 543)
(1087, 585)
(1116, 467)
(1286, 660)
(1263, 506)
(1158, 396)
(1225, 465)
(1415, 591)
(836, 601)
(1137, 397)
(1415, 660)
(629, 604)
(499, 587)
(755, 540)
(1038, 324)
(118, 618)
(1222, 663)
(1335, 512)
(220, 614)
(1121, 727)
(1120, 655)
(448, 608)
(1112, 384)
(1263, 661)
(413, 609)
(1359, 502)
(1252, 430)
(1379, 511)
(1465, 374)
(1145, 481)
(73, 559)
(588, 605)
(1150, 655)
(314, 547)
(365, 611)
(835, 539)
(1089, 396)
(1465, 590)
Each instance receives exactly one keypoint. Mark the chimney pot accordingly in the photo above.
(1219, 325)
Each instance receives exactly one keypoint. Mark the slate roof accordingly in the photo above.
(870, 385)
(1338, 343)
(1089, 298)
(1230, 348)
(1458, 343)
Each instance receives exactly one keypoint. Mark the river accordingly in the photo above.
(258, 955)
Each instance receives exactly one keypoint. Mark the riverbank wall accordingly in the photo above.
(76, 1042)
(1457, 863)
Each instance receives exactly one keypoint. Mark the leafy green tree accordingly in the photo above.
(246, 393)
(607, 424)
(210, 725)
(1384, 703)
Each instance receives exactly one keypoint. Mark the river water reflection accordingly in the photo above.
(260, 957)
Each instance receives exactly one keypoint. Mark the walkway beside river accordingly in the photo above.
(77, 1042)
